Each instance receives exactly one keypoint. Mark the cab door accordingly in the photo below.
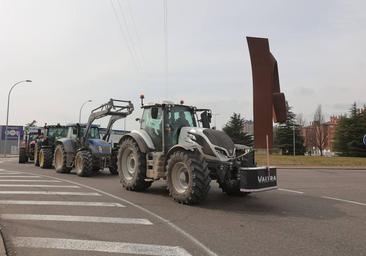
(151, 122)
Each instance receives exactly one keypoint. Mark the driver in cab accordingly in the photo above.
(181, 121)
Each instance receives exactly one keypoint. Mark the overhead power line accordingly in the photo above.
(134, 47)
(125, 36)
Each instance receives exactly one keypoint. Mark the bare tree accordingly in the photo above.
(300, 120)
(320, 130)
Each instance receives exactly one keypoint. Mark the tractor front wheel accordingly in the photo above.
(231, 185)
(45, 158)
(60, 160)
(188, 177)
(36, 155)
(132, 166)
(84, 163)
(113, 168)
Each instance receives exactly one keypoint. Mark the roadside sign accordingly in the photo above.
(364, 139)
(12, 133)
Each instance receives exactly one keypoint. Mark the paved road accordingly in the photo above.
(316, 212)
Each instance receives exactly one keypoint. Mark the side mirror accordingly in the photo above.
(154, 112)
(206, 119)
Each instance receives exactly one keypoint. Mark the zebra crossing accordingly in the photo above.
(51, 202)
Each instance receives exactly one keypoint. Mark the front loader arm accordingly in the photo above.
(116, 108)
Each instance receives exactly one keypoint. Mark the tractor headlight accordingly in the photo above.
(191, 136)
(221, 151)
(100, 149)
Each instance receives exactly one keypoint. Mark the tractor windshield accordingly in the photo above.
(178, 117)
(182, 116)
(94, 133)
(57, 132)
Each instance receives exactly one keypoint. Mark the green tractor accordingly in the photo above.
(83, 149)
(171, 144)
(45, 146)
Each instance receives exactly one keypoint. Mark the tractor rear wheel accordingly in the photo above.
(188, 177)
(36, 155)
(60, 160)
(84, 163)
(132, 166)
(23, 158)
(45, 158)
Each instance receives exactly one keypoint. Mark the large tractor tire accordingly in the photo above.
(96, 165)
(45, 158)
(36, 155)
(84, 163)
(23, 158)
(132, 166)
(60, 160)
(113, 168)
(231, 186)
(188, 177)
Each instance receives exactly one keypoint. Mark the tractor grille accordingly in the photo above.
(221, 139)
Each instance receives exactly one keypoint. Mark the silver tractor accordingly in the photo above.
(174, 144)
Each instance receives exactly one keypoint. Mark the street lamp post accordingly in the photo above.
(7, 112)
(82, 108)
(293, 135)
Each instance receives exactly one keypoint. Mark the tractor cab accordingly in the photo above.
(164, 122)
(77, 131)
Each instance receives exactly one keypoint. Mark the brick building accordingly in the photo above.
(327, 129)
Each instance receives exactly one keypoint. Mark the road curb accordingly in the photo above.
(322, 167)
(2, 244)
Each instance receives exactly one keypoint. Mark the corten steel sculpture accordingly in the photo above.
(268, 102)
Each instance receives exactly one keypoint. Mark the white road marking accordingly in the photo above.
(49, 193)
(99, 246)
(163, 220)
(72, 218)
(1, 173)
(18, 176)
(344, 200)
(38, 186)
(66, 203)
(3, 170)
(291, 191)
(52, 181)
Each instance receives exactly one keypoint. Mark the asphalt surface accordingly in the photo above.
(315, 212)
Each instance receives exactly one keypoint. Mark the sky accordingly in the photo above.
(76, 50)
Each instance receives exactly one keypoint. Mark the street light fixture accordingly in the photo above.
(7, 111)
(82, 108)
